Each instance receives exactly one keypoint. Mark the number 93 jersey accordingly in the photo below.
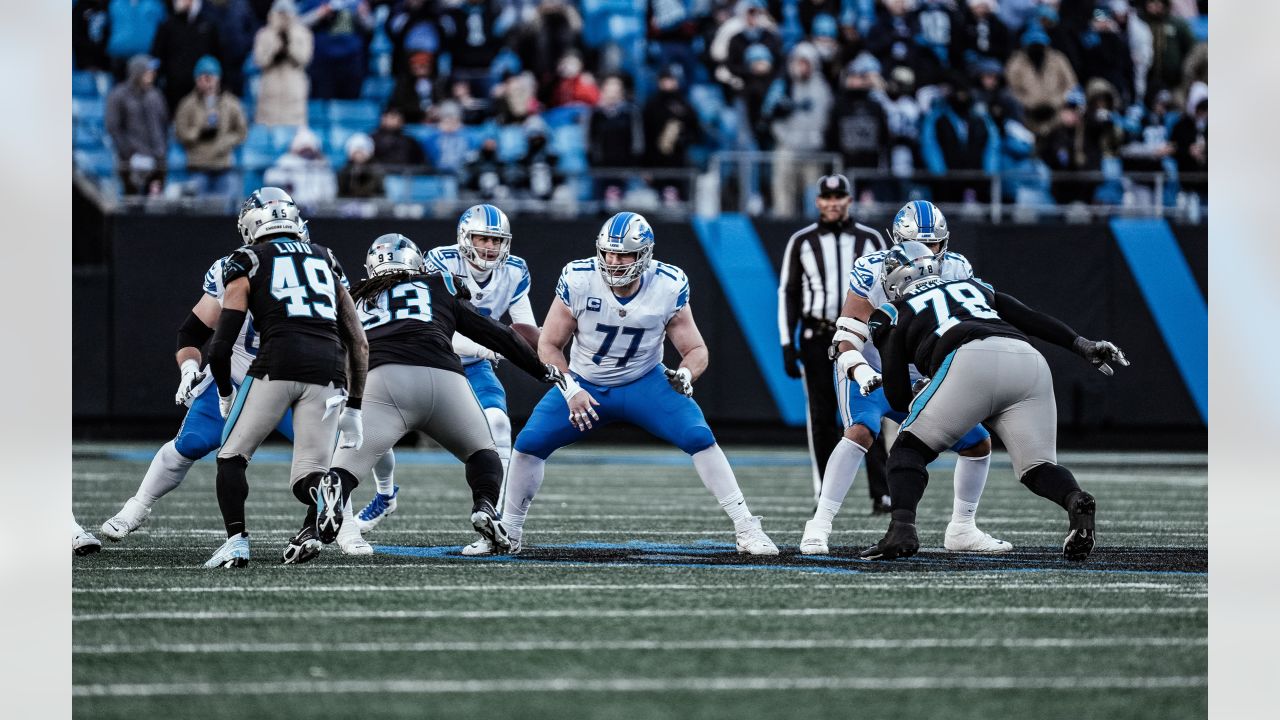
(619, 340)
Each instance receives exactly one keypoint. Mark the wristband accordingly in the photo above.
(570, 387)
(851, 330)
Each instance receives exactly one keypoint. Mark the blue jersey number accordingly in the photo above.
(611, 334)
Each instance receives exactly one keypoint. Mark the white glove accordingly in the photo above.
(225, 402)
(191, 377)
(868, 380)
(681, 380)
(350, 429)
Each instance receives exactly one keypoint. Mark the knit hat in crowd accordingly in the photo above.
(1035, 35)
(208, 65)
(864, 64)
(758, 52)
(824, 26)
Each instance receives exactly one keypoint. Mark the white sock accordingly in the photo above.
(384, 473)
(970, 479)
(523, 482)
(713, 467)
(167, 471)
(500, 429)
(842, 468)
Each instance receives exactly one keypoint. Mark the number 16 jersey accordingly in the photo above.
(618, 340)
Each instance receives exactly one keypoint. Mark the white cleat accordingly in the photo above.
(752, 540)
(350, 540)
(131, 517)
(84, 543)
(966, 537)
(815, 537)
(479, 547)
(234, 553)
(378, 509)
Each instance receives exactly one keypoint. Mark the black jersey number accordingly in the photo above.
(964, 293)
(310, 293)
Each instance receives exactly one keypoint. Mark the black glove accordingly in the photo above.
(791, 361)
(553, 376)
(1100, 352)
(919, 385)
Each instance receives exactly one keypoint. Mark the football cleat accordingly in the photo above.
(302, 547)
(131, 517)
(752, 540)
(378, 508)
(350, 540)
(480, 547)
(1081, 508)
(815, 537)
(234, 553)
(485, 521)
(328, 499)
(966, 537)
(84, 543)
(900, 541)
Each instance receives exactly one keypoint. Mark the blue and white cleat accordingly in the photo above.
(378, 508)
(234, 553)
(328, 499)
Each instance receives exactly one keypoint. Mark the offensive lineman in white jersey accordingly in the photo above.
(862, 405)
(619, 307)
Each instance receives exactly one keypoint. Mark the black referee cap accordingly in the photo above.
(834, 184)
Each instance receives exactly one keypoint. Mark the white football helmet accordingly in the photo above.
(269, 211)
(922, 221)
(906, 264)
(390, 253)
(488, 221)
(626, 232)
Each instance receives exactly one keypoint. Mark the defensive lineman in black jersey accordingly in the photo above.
(971, 341)
(309, 336)
(416, 381)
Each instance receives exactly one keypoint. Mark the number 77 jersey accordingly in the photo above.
(618, 340)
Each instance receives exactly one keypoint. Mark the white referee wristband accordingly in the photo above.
(570, 387)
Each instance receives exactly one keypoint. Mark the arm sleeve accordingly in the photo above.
(1034, 322)
(499, 338)
(521, 311)
(894, 363)
(789, 293)
(464, 346)
(224, 339)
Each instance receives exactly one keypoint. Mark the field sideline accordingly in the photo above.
(630, 602)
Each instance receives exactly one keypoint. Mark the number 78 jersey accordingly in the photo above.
(618, 341)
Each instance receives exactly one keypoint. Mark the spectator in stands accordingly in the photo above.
(1015, 14)
(182, 39)
(1171, 41)
(472, 36)
(575, 85)
(1039, 77)
(956, 135)
(391, 147)
(236, 26)
(674, 26)
(341, 29)
(670, 127)
(615, 138)
(138, 122)
(538, 172)
(304, 172)
(553, 30)
(903, 113)
(1191, 146)
(412, 27)
(415, 94)
(1062, 37)
(210, 124)
(798, 108)
(474, 110)
(860, 130)
(1105, 54)
(450, 148)
(516, 98)
(941, 31)
(761, 74)
(282, 49)
(1104, 135)
(893, 41)
(1062, 149)
(825, 38)
(985, 36)
(131, 28)
(360, 177)
(992, 94)
(486, 174)
(90, 29)
(807, 12)
(750, 25)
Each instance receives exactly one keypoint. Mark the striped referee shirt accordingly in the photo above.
(815, 268)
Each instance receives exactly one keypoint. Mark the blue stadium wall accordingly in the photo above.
(1141, 284)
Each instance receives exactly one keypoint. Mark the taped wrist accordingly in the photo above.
(224, 339)
(570, 387)
(853, 331)
(851, 360)
(193, 332)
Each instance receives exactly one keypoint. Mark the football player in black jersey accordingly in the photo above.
(416, 381)
(310, 335)
(971, 342)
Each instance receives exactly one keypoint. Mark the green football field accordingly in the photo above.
(630, 602)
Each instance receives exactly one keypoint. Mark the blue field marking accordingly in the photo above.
(1174, 298)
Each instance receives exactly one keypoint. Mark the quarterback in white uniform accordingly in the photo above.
(862, 405)
(618, 307)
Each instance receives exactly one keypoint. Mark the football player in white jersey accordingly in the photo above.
(498, 283)
(201, 429)
(862, 406)
(618, 307)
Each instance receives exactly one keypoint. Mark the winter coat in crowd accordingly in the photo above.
(799, 105)
(133, 26)
(282, 49)
(670, 127)
(136, 117)
(304, 172)
(181, 40)
(1040, 77)
(210, 129)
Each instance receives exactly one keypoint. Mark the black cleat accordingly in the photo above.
(328, 498)
(1081, 508)
(485, 520)
(881, 506)
(900, 541)
(302, 547)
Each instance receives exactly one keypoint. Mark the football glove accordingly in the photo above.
(919, 385)
(681, 380)
(225, 402)
(1100, 352)
(351, 429)
(790, 361)
(870, 380)
(553, 376)
(191, 377)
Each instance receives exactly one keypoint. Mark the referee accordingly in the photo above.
(814, 279)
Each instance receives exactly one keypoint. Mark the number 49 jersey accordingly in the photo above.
(293, 298)
(618, 341)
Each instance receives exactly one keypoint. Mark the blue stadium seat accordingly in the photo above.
(573, 163)
(88, 108)
(177, 156)
(422, 133)
(420, 188)
(707, 100)
(318, 113)
(568, 138)
(256, 158)
(377, 89)
(566, 115)
(99, 162)
(358, 114)
(85, 135)
(336, 139)
(512, 143)
(282, 136)
(84, 85)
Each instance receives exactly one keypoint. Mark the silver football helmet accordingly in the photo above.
(906, 264)
(390, 253)
(922, 221)
(488, 221)
(626, 232)
(269, 211)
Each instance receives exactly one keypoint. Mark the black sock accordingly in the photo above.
(1052, 482)
(233, 488)
(484, 475)
(907, 475)
(349, 482)
(305, 490)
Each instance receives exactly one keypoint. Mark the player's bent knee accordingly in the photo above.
(499, 425)
(860, 434)
(485, 460)
(696, 439)
(909, 451)
(193, 447)
(982, 449)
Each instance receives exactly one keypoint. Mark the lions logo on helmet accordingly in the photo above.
(905, 265)
(486, 221)
(627, 233)
(270, 211)
(922, 221)
(390, 253)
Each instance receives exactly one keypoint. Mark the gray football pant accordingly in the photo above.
(400, 398)
(1001, 382)
(258, 408)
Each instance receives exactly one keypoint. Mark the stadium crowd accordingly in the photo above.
(421, 99)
